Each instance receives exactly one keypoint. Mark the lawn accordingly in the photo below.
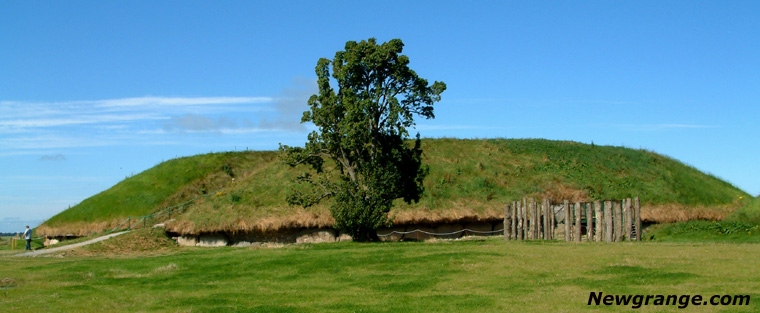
(484, 275)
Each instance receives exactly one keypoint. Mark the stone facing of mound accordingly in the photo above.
(320, 235)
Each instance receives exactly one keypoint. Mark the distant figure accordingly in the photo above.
(28, 237)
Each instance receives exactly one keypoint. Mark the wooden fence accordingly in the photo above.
(610, 221)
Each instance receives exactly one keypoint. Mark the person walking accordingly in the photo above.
(28, 237)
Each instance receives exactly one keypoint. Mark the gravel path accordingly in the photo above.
(69, 247)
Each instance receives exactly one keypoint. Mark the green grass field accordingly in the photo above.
(5, 243)
(483, 275)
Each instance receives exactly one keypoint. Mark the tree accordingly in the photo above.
(362, 128)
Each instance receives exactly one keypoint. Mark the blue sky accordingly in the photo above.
(94, 91)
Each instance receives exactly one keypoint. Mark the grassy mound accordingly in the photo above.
(469, 179)
(147, 240)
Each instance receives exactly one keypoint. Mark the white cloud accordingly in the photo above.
(77, 120)
(290, 105)
(46, 127)
(53, 157)
(198, 123)
(179, 101)
(16, 116)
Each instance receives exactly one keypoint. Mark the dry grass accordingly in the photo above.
(671, 213)
(8, 283)
(143, 241)
(299, 219)
(78, 229)
(556, 193)
(463, 212)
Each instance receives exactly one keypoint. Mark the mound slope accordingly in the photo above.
(469, 180)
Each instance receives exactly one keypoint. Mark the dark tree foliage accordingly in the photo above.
(362, 127)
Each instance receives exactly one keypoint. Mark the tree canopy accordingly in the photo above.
(362, 128)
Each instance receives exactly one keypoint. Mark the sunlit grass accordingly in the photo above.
(450, 276)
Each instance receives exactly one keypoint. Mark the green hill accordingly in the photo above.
(469, 179)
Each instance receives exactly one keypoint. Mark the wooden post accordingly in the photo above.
(514, 220)
(547, 227)
(537, 214)
(554, 220)
(532, 224)
(628, 220)
(537, 208)
(520, 220)
(608, 221)
(544, 221)
(526, 216)
(577, 226)
(507, 222)
(637, 210)
(618, 208)
(589, 223)
(541, 220)
(566, 208)
(529, 219)
(551, 219)
(599, 220)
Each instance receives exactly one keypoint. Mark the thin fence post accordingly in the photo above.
(507, 223)
(545, 209)
(628, 220)
(537, 220)
(514, 220)
(520, 220)
(531, 223)
(618, 208)
(566, 208)
(530, 219)
(608, 221)
(534, 220)
(599, 220)
(524, 212)
(541, 222)
(577, 227)
(637, 209)
(589, 223)
(551, 219)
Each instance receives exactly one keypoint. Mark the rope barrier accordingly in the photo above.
(441, 234)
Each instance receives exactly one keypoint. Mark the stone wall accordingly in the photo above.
(319, 235)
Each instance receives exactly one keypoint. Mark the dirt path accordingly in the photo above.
(69, 247)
